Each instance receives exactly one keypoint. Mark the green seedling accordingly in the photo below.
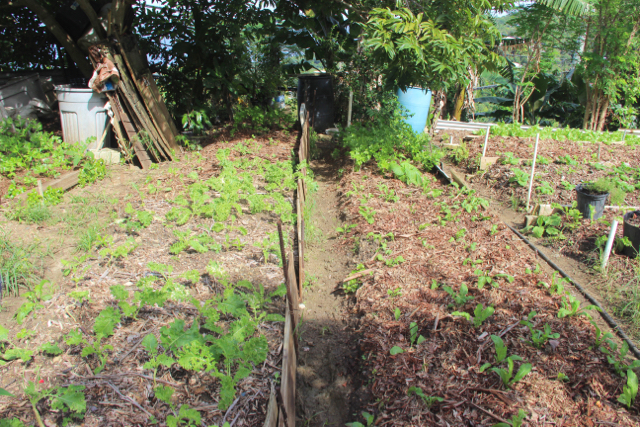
(395, 350)
(501, 352)
(516, 420)
(413, 334)
(429, 401)
(630, 391)
(461, 297)
(539, 338)
(616, 358)
(369, 419)
(483, 278)
(368, 214)
(506, 375)
(571, 307)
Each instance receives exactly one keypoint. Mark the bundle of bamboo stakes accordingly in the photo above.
(141, 122)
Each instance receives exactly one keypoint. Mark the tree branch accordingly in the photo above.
(59, 33)
(93, 18)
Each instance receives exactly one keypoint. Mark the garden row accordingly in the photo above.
(461, 322)
(560, 167)
(173, 313)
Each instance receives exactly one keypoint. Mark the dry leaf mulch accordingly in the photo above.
(447, 363)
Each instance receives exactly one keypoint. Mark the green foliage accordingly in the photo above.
(97, 349)
(606, 185)
(460, 153)
(259, 120)
(395, 350)
(92, 171)
(545, 225)
(480, 314)
(461, 297)
(571, 307)
(16, 268)
(506, 375)
(34, 301)
(427, 400)
(186, 417)
(369, 419)
(509, 159)
(617, 357)
(629, 391)
(516, 420)
(195, 121)
(106, 321)
(520, 177)
(413, 334)
(51, 349)
(538, 338)
(545, 188)
(368, 214)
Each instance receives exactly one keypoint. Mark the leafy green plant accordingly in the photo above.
(616, 358)
(369, 419)
(484, 278)
(395, 350)
(34, 301)
(516, 420)
(91, 172)
(460, 153)
(571, 307)
(509, 159)
(413, 334)
(480, 314)
(600, 336)
(195, 121)
(428, 401)
(500, 349)
(545, 188)
(606, 185)
(629, 391)
(545, 225)
(567, 160)
(368, 214)
(461, 297)
(538, 338)
(520, 177)
(506, 375)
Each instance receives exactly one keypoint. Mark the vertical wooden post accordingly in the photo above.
(486, 139)
(350, 108)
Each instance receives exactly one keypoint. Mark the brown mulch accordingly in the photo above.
(447, 363)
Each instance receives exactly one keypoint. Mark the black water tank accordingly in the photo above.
(316, 92)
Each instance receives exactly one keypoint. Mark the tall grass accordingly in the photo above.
(16, 268)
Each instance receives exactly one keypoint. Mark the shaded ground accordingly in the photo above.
(329, 383)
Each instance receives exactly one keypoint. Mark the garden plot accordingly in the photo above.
(561, 165)
(175, 313)
(461, 323)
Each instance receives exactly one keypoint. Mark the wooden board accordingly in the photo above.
(301, 245)
(141, 153)
(485, 162)
(65, 182)
(272, 409)
(288, 379)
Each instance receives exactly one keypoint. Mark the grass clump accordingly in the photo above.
(604, 186)
(16, 268)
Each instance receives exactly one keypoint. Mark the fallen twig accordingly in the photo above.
(128, 399)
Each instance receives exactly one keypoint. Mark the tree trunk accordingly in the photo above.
(93, 18)
(60, 34)
(457, 106)
(603, 112)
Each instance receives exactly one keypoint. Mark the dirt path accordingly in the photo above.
(328, 381)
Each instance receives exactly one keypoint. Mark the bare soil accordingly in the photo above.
(329, 384)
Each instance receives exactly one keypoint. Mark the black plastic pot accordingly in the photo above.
(631, 232)
(585, 200)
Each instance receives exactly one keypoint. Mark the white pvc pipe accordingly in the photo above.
(533, 169)
(607, 249)
(486, 139)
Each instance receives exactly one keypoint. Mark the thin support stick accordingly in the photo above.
(607, 248)
(599, 148)
(533, 170)
(350, 108)
(283, 256)
(486, 139)
(624, 135)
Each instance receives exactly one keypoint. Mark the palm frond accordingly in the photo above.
(567, 7)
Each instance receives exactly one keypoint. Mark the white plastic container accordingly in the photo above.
(18, 92)
(82, 115)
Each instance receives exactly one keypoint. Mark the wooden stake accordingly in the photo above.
(350, 108)
(533, 170)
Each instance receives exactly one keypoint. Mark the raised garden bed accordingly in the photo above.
(437, 261)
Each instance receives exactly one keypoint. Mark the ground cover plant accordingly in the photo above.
(28, 154)
(547, 368)
(179, 299)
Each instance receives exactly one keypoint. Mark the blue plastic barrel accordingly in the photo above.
(417, 101)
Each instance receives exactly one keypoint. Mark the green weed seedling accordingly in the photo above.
(461, 297)
(369, 419)
(388, 195)
(600, 337)
(347, 228)
(480, 314)
(186, 417)
(557, 284)
(395, 350)
(616, 358)
(51, 349)
(397, 313)
(459, 235)
(70, 401)
(484, 278)
(501, 352)
(630, 391)
(506, 375)
(368, 214)
(536, 270)
(545, 188)
(516, 420)
(428, 401)
(494, 229)
(34, 301)
(571, 307)
(413, 334)
(562, 377)
(509, 158)
(539, 338)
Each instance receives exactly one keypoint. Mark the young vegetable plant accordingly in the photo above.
(545, 225)
(539, 338)
(413, 334)
(571, 307)
(516, 420)
(520, 177)
(506, 375)
(461, 297)
(630, 391)
(617, 358)
(427, 400)
(501, 352)
(368, 419)
(480, 314)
